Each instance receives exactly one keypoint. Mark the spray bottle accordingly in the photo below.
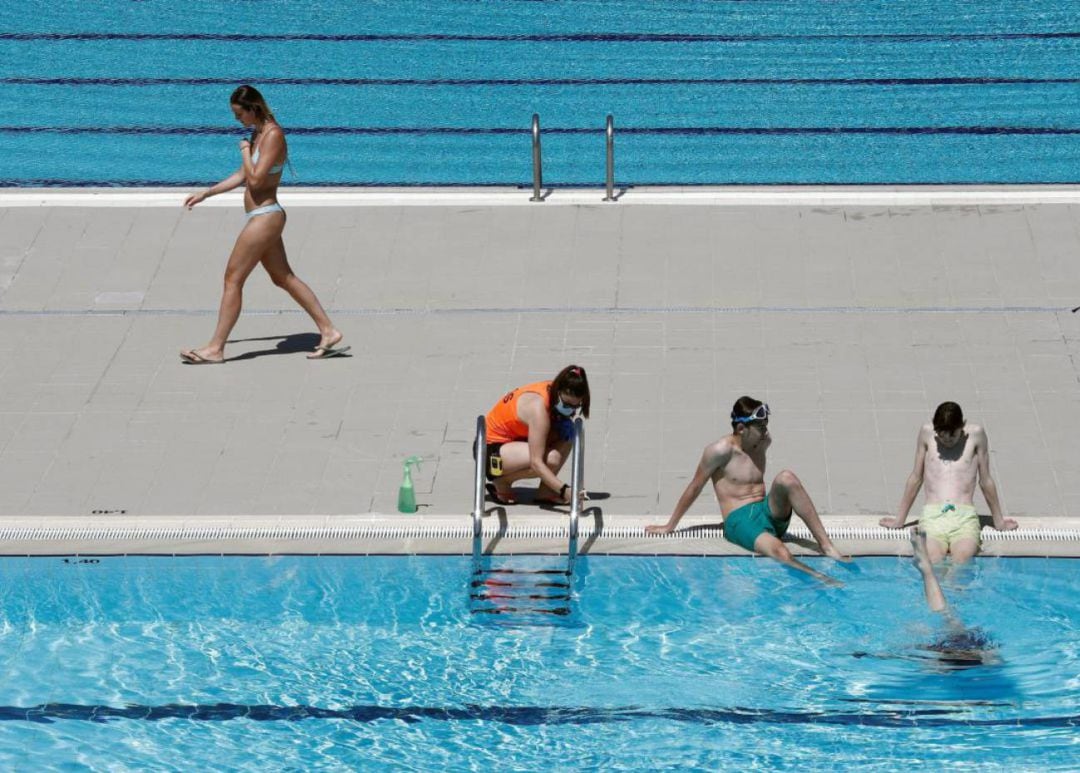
(406, 496)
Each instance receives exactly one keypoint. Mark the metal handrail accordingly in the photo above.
(609, 133)
(577, 475)
(538, 174)
(478, 492)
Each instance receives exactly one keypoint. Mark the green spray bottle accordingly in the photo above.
(406, 496)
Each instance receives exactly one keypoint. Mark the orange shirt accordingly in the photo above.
(503, 424)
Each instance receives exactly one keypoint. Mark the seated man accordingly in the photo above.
(950, 456)
(753, 518)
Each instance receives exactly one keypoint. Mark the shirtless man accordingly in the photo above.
(753, 519)
(950, 456)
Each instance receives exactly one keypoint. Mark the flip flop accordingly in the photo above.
(497, 498)
(192, 357)
(326, 352)
(556, 501)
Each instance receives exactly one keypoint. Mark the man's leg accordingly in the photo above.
(963, 550)
(935, 549)
(788, 494)
(773, 547)
(935, 599)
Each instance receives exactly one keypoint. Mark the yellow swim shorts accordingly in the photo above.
(948, 523)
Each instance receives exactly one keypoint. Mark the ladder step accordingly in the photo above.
(561, 611)
(541, 597)
(522, 571)
(497, 584)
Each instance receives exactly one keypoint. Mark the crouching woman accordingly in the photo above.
(529, 432)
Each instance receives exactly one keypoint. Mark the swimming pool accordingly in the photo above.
(414, 93)
(694, 662)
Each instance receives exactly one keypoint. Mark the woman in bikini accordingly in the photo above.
(262, 159)
(529, 433)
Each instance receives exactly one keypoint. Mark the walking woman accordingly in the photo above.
(262, 159)
(529, 433)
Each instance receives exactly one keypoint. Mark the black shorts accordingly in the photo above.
(493, 452)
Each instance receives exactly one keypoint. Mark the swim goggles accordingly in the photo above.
(761, 413)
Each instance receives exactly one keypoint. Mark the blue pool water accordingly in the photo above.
(231, 663)
(414, 92)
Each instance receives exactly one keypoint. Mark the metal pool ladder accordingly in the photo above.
(509, 590)
(538, 164)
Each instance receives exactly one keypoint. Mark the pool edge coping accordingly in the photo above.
(454, 196)
(428, 534)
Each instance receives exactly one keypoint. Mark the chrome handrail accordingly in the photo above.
(538, 174)
(577, 475)
(478, 492)
(609, 133)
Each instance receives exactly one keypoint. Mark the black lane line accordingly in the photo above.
(566, 37)
(513, 130)
(941, 81)
(522, 715)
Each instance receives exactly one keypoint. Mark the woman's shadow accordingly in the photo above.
(289, 344)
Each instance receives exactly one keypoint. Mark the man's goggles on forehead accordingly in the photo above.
(761, 413)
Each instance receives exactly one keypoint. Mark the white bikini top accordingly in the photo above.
(276, 169)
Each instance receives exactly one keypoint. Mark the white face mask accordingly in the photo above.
(566, 410)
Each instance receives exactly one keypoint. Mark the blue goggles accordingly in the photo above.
(761, 413)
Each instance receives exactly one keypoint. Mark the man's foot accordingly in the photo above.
(326, 345)
(836, 555)
(920, 556)
(203, 356)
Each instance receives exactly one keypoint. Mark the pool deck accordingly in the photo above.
(853, 312)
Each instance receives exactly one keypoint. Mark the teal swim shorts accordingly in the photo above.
(747, 523)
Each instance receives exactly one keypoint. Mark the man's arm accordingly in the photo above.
(986, 481)
(714, 457)
(911, 488)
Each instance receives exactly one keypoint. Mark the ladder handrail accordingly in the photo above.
(537, 162)
(609, 135)
(538, 172)
(478, 492)
(577, 475)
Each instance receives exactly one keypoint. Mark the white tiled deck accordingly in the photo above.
(853, 312)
